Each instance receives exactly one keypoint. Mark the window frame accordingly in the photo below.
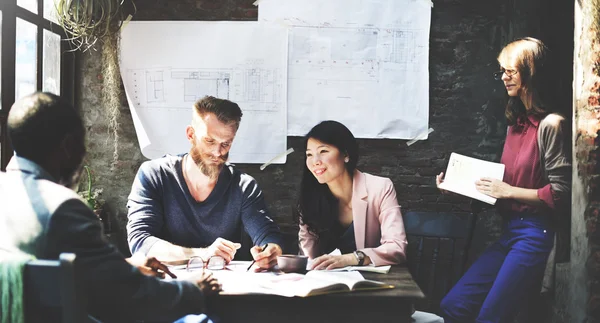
(68, 59)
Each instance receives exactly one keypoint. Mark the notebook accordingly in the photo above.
(463, 171)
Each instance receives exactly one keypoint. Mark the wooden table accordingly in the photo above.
(391, 305)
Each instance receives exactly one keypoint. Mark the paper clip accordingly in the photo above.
(285, 153)
(412, 141)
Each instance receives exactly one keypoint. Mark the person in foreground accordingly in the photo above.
(532, 198)
(341, 207)
(41, 216)
(196, 204)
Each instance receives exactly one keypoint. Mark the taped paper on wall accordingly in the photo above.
(363, 63)
(272, 161)
(244, 62)
(422, 136)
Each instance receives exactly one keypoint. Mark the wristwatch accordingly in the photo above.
(360, 256)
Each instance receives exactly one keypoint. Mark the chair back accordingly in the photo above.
(50, 291)
(438, 245)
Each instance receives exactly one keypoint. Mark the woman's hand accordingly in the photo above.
(331, 262)
(439, 179)
(494, 188)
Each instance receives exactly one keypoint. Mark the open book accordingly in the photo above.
(463, 171)
(318, 282)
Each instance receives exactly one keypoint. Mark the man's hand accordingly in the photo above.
(330, 262)
(223, 248)
(265, 259)
(207, 283)
(150, 266)
(494, 188)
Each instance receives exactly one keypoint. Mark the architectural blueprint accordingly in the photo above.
(361, 62)
(167, 66)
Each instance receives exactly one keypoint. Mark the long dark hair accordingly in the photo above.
(317, 207)
(532, 60)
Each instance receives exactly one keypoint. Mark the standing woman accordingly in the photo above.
(341, 207)
(533, 197)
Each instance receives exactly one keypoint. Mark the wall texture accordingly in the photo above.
(582, 277)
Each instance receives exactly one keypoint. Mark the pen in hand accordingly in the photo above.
(253, 261)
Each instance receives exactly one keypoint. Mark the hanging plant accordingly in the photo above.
(87, 22)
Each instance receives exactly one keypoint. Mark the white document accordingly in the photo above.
(463, 171)
(369, 268)
(234, 280)
(363, 63)
(167, 65)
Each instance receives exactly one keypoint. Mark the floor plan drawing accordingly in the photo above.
(262, 88)
(246, 64)
(155, 86)
(198, 83)
(361, 62)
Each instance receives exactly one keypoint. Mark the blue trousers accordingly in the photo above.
(496, 287)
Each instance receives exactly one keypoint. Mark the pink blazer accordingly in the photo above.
(378, 226)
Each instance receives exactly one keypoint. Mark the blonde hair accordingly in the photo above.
(531, 59)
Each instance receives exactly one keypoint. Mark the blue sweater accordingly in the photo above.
(161, 208)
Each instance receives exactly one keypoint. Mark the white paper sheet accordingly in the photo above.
(361, 62)
(463, 171)
(167, 66)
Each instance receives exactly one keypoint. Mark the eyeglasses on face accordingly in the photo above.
(213, 263)
(509, 73)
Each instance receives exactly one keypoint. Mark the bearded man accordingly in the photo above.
(197, 204)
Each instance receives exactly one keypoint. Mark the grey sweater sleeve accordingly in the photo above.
(112, 283)
(555, 157)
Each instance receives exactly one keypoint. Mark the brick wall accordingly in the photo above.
(581, 278)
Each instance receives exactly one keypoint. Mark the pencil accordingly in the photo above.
(253, 261)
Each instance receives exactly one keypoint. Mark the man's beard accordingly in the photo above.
(201, 160)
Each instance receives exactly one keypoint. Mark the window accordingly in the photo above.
(34, 56)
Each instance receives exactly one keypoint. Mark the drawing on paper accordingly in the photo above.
(198, 83)
(155, 86)
(355, 61)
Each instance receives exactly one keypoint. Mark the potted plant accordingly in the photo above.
(92, 196)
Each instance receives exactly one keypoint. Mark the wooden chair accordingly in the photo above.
(438, 244)
(50, 291)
